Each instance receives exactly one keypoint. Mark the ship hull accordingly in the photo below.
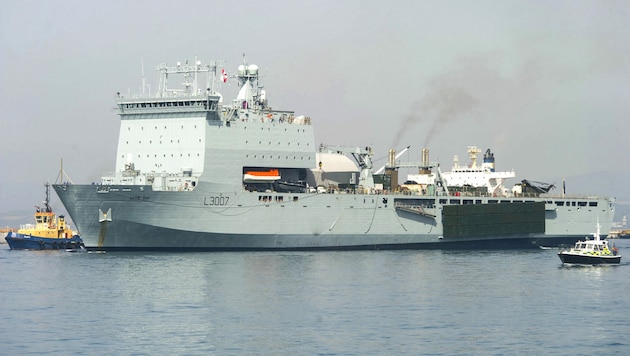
(27, 242)
(207, 219)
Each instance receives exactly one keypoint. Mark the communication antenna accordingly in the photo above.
(144, 82)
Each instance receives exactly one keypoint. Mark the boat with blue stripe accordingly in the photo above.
(50, 232)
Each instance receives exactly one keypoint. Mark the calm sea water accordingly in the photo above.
(312, 303)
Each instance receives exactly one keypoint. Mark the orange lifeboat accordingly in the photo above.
(261, 176)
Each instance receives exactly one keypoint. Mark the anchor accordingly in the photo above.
(103, 218)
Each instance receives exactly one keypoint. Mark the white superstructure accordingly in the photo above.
(471, 175)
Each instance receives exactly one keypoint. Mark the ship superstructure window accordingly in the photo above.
(559, 203)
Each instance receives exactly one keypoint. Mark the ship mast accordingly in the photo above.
(47, 201)
(472, 153)
(191, 77)
(62, 174)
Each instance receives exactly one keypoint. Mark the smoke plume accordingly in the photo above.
(436, 110)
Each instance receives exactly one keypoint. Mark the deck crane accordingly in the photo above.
(363, 156)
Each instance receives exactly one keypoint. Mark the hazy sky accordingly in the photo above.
(544, 84)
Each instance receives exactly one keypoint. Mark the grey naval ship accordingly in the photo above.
(195, 173)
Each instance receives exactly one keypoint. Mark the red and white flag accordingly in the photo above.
(224, 75)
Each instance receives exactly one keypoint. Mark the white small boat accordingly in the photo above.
(591, 252)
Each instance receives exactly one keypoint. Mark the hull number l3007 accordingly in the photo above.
(217, 200)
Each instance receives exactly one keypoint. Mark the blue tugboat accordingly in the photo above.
(49, 232)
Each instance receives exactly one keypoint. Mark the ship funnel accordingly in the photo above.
(425, 156)
(425, 162)
(391, 170)
(392, 158)
(488, 161)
